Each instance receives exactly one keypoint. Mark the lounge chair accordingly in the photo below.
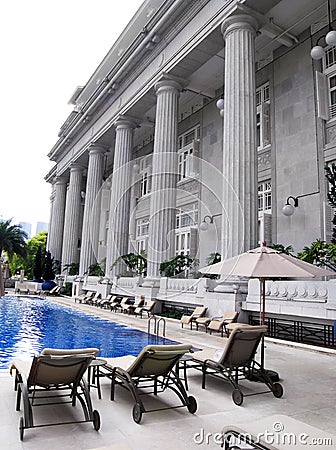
(94, 299)
(56, 290)
(153, 369)
(236, 362)
(49, 379)
(189, 320)
(217, 323)
(128, 308)
(84, 298)
(120, 305)
(106, 302)
(147, 308)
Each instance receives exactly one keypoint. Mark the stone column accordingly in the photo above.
(52, 198)
(161, 244)
(90, 230)
(70, 252)
(118, 236)
(57, 225)
(239, 138)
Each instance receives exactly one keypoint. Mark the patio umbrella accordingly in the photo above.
(266, 263)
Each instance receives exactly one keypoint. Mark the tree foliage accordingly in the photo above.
(176, 265)
(330, 173)
(136, 263)
(37, 269)
(72, 269)
(12, 239)
(48, 273)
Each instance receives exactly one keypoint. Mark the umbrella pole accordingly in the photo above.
(262, 294)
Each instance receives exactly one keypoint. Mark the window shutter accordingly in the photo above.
(267, 228)
(322, 96)
(266, 124)
(328, 213)
(193, 242)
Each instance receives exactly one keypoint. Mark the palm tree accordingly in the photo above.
(12, 241)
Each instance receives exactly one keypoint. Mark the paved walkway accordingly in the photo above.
(308, 378)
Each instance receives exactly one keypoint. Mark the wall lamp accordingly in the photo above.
(205, 224)
(317, 52)
(289, 208)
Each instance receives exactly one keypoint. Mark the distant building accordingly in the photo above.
(41, 226)
(27, 228)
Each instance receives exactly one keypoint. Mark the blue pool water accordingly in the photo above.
(27, 325)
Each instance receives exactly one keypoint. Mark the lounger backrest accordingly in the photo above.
(199, 312)
(150, 305)
(48, 370)
(73, 351)
(157, 359)
(139, 302)
(230, 316)
(241, 346)
(124, 301)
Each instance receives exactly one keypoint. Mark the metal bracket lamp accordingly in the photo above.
(205, 224)
(289, 208)
(317, 52)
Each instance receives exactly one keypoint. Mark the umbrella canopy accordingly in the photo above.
(265, 262)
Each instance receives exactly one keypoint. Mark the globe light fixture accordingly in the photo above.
(206, 220)
(220, 106)
(289, 208)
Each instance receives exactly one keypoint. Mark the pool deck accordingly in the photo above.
(308, 376)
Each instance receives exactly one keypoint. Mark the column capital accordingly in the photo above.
(239, 22)
(169, 83)
(124, 122)
(76, 167)
(61, 180)
(96, 148)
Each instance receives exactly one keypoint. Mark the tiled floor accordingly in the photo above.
(308, 378)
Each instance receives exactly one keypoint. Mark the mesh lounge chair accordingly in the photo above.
(236, 362)
(189, 320)
(106, 302)
(217, 323)
(51, 377)
(56, 290)
(120, 306)
(128, 308)
(147, 308)
(153, 370)
(93, 300)
(84, 298)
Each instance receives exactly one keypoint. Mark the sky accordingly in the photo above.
(48, 48)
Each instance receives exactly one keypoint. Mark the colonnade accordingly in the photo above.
(239, 171)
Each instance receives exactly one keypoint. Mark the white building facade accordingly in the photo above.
(146, 156)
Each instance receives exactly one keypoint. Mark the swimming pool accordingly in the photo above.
(28, 324)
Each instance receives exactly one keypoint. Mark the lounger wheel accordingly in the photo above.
(21, 428)
(192, 404)
(96, 420)
(137, 413)
(277, 390)
(237, 397)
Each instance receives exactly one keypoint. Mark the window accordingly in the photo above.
(265, 212)
(264, 197)
(326, 85)
(263, 116)
(144, 173)
(142, 227)
(186, 231)
(188, 147)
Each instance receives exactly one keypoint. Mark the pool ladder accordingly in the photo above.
(157, 321)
